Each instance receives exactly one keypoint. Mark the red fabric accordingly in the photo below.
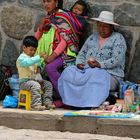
(58, 104)
(60, 48)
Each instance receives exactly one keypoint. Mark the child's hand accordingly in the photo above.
(43, 55)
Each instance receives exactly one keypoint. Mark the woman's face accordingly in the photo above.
(104, 29)
(50, 5)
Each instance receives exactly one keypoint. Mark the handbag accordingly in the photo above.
(5, 73)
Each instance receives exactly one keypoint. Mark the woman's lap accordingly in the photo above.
(53, 73)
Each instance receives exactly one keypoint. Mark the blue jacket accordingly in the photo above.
(111, 56)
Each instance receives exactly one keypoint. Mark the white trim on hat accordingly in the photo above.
(106, 17)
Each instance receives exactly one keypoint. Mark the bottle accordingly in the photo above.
(128, 100)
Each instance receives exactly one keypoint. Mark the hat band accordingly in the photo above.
(105, 19)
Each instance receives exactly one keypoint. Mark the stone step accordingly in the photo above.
(55, 121)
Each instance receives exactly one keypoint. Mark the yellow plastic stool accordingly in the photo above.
(24, 99)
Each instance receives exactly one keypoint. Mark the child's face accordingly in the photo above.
(30, 51)
(78, 9)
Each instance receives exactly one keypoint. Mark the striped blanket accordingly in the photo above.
(70, 27)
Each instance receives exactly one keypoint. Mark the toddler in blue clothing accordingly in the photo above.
(27, 65)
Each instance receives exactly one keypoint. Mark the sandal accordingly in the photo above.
(50, 106)
(37, 108)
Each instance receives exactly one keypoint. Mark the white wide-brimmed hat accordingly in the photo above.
(106, 17)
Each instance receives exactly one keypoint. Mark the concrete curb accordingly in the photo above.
(54, 121)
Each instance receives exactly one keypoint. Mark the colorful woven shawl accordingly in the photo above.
(70, 27)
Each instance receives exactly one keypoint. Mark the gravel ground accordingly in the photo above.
(28, 134)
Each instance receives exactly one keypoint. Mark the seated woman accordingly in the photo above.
(64, 30)
(100, 66)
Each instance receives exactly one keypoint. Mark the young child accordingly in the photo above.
(80, 8)
(41, 90)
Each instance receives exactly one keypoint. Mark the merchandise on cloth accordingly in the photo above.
(84, 88)
(130, 93)
(124, 85)
(99, 114)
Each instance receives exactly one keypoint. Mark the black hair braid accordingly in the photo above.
(60, 4)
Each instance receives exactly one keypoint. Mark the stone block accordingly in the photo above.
(14, 23)
(9, 55)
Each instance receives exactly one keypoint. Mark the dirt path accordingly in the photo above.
(25, 134)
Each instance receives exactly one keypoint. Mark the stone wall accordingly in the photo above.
(19, 18)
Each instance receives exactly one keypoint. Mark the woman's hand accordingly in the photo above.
(93, 63)
(80, 66)
(43, 55)
(50, 58)
(42, 25)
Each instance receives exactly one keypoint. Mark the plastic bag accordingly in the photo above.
(13, 83)
(124, 85)
(10, 102)
(38, 77)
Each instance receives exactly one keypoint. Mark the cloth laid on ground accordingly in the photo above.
(84, 88)
(99, 114)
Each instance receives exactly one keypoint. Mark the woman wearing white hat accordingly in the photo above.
(101, 62)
